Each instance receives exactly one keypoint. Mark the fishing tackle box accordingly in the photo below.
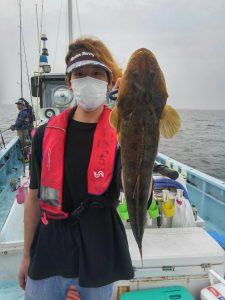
(174, 256)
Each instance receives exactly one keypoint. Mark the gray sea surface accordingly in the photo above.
(199, 144)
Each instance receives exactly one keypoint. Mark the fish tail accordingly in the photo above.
(140, 251)
(138, 224)
(169, 122)
(136, 196)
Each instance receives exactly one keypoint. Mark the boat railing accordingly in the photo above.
(199, 180)
(205, 192)
(9, 160)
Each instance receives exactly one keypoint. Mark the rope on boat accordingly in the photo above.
(39, 51)
(28, 77)
(78, 18)
(57, 36)
(21, 64)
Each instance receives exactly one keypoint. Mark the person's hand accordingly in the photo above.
(12, 127)
(23, 271)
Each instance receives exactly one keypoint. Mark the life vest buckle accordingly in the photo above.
(78, 212)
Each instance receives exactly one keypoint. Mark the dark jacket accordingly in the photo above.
(22, 120)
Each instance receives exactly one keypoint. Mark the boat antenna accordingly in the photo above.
(38, 34)
(70, 20)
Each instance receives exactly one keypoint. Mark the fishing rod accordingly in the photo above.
(3, 142)
(28, 77)
(2, 131)
(21, 71)
(21, 64)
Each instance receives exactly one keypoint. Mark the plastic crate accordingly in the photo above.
(165, 293)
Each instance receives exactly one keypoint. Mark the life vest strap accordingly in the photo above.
(88, 203)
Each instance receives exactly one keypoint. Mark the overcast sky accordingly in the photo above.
(187, 37)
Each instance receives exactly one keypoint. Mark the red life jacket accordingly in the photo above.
(100, 169)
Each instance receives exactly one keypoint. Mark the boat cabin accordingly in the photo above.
(54, 96)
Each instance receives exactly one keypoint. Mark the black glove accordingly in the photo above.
(12, 127)
(165, 171)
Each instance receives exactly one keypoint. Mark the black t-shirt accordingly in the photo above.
(96, 248)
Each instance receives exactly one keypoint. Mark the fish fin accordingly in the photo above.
(169, 122)
(113, 118)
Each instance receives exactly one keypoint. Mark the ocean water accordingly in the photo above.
(8, 114)
(199, 144)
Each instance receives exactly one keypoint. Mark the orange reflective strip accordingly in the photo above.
(56, 127)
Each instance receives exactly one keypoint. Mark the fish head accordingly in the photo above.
(143, 76)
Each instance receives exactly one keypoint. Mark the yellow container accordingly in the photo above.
(168, 208)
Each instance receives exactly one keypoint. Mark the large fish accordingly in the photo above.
(139, 116)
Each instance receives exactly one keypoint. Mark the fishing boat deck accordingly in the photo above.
(10, 290)
(206, 192)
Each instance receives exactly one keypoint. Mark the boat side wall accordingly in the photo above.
(206, 192)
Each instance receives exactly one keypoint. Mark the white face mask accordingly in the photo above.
(89, 93)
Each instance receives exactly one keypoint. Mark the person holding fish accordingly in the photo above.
(73, 233)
